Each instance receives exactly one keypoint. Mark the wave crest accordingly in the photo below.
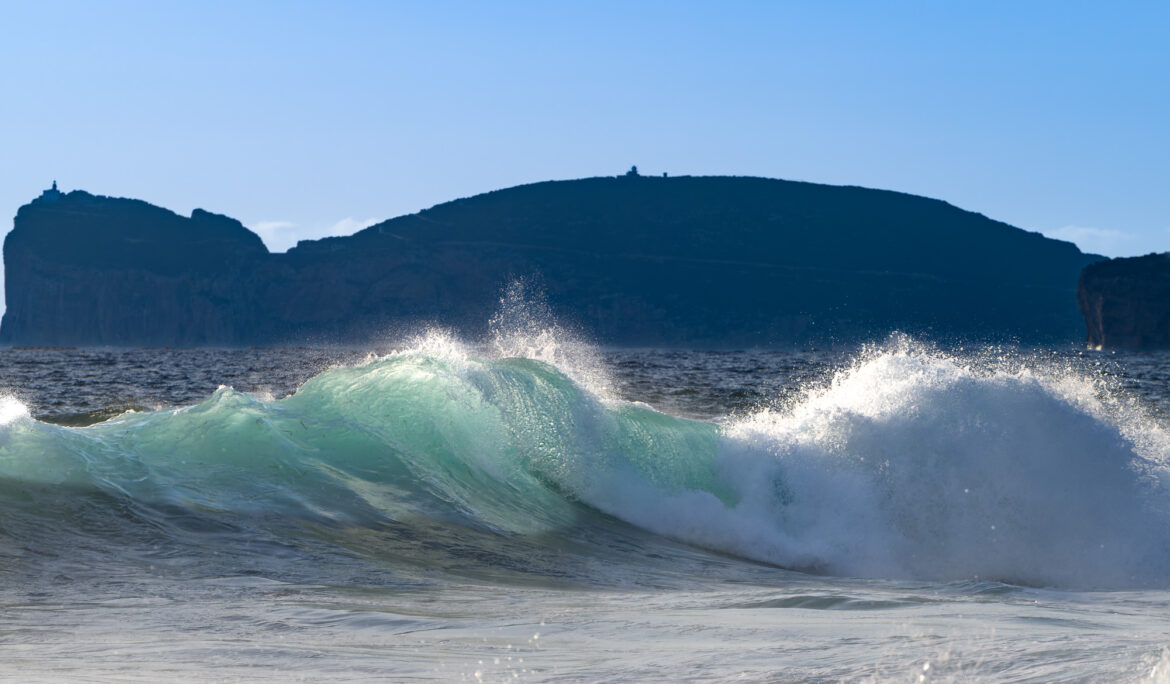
(908, 463)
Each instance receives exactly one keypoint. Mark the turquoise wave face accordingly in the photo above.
(908, 464)
(441, 450)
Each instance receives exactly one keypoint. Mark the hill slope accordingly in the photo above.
(686, 261)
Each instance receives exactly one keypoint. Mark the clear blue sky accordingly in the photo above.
(303, 119)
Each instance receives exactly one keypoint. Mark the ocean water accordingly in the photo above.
(533, 509)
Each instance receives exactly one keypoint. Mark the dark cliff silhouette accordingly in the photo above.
(1126, 302)
(632, 260)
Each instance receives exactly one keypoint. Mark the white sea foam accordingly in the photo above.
(912, 463)
(1159, 670)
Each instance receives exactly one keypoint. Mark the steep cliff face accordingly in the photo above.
(87, 270)
(714, 262)
(1126, 302)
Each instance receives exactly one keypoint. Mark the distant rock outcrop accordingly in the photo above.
(633, 260)
(88, 270)
(1126, 302)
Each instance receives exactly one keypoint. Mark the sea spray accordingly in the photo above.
(525, 327)
(910, 462)
(914, 463)
(438, 512)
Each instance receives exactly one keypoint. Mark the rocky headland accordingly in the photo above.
(686, 261)
(1126, 302)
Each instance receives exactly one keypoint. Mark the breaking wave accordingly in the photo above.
(910, 463)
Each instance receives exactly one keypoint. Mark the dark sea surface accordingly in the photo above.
(533, 509)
